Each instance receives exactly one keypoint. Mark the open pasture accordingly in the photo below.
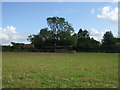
(59, 70)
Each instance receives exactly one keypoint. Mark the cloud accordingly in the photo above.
(9, 34)
(93, 11)
(115, 1)
(109, 13)
(97, 34)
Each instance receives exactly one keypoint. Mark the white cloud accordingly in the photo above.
(93, 11)
(109, 13)
(9, 34)
(115, 1)
(97, 34)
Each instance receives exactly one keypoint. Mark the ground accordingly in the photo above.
(59, 70)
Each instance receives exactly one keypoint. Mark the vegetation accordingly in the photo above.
(62, 70)
(58, 35)
(85, 43)
(109, 43)
(61, 33)
(59, 70)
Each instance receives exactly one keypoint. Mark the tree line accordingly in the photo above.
(61, 33)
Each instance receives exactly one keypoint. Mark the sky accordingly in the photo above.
(20, 19)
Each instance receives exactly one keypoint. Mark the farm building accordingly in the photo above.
(28, 47)
(59, 49)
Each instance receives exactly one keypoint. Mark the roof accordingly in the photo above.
(28, 46)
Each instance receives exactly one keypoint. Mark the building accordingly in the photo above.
(60, 49)
(28, 47)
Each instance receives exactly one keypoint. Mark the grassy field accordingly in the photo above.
(59, 70)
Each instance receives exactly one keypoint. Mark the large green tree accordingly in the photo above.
(84, 42)
(108, 42)
(83, 34)
(59, 24)
(66, 39)
(43, 39)
(36, 40)
(62, 31)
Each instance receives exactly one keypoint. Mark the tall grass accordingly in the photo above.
(60, 70)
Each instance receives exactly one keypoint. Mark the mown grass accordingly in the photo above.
(59, 70)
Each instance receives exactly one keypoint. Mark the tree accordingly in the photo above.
(43, 39)
(84, 42)
(59, 24)
(61, 34)
(17, 45)
(36, 40)
(62, 31)
(66, 39)
(46, 34)
(83, 34)
(48, 37)
(108, 42)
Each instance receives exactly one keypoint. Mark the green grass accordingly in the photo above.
(59, 70)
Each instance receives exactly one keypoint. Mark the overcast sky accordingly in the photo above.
(20, 19)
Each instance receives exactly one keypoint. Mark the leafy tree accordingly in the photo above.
(46, 34)
(36, 40)
(83, 34)
(59, 24)
(84, 42)
(43, 39)
(17, 45)
(66, 39)
(87, 45)
(48, 37)
(108, 42)
(62, 31)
